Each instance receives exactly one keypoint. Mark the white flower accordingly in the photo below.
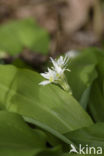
(56, 73)
(60, 64)
(72, 54)
(50, 76)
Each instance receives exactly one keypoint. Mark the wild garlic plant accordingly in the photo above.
(56, 75)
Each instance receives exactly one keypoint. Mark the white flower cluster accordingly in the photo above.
(56, 73)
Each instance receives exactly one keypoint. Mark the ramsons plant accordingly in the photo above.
(56, 73)
(40, 118)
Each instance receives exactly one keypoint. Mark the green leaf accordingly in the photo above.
(68, 154)
(96, 101)
(48, 107)
(93, 136)
(82, 74)
(16, 35)
(16, 138)
(9, 40)
(51, 152)
(21, 64)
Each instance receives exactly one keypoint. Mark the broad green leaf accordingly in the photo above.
(51, 152)
(48, 107)
(16, 35)
(68, 154)
(82, 75)
(9, 40)
(21, 64)
(92, 136)
(96, 101)
(16, 138)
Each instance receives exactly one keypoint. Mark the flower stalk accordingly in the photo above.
(64, 84)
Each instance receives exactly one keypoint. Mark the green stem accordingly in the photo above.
(64, 84)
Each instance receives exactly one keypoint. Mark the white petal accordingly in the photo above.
(66, 59)
(51, 73)
(45, 75)
(60, 61)
(43, 83)
(72, 53)
(59, 69)
(54, 62)
(68, 70)
(50, 70)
